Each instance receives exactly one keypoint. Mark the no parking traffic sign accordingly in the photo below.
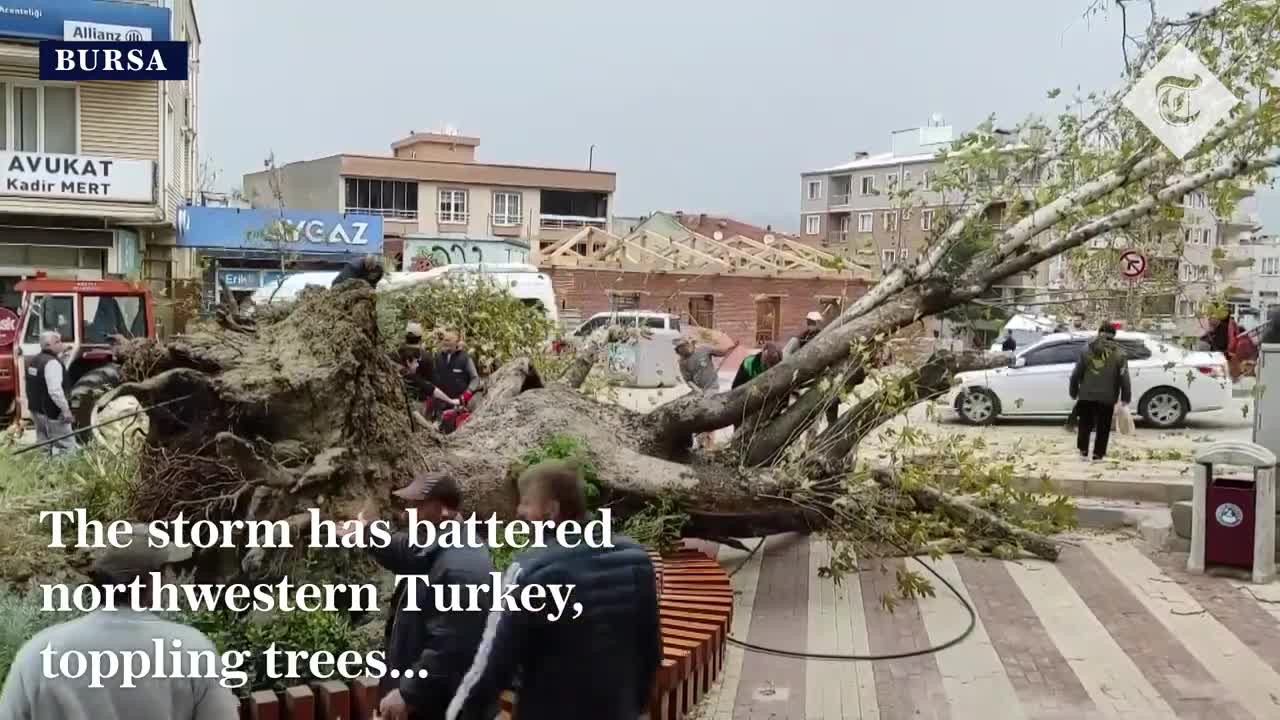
(1132, 264)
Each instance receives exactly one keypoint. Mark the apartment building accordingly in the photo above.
(440, 204)
(848, 209)
(94, 171)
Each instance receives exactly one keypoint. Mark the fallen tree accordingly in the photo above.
(304, 409)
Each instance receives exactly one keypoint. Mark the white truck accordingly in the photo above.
(531, 286)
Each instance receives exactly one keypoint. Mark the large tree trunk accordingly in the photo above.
(307, 410)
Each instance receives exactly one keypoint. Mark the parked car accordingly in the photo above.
(629, 318)
(1168, 382)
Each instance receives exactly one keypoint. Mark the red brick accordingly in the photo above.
(587, 292)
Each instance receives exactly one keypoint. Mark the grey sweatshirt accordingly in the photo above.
(29, 695)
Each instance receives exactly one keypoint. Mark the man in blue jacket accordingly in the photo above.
(600, 665)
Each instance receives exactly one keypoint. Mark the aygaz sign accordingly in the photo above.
(274, 231)
(75, 176)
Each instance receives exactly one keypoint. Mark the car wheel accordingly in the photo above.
(978, 406)
(1164, 407)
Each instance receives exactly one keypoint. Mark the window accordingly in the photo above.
(108, 315)
(388, 198)
(891, 181)
(906, 177)
(1206, 236)
(624, 301)
(926, 220)
(903, 254)
(1135, 349)
(868, 184)
(830, 307)
(925, 178)
(814, 190)
(866, 222)
(39, 118)
(1271, 266)
(702, 311)
(51, 312)
(812, 224)
(453, 206)
(888, 257)
(1059, 354)
(506, 209)
(890, 220)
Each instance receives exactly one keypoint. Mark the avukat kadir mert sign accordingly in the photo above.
(76, 61)
(292, 231)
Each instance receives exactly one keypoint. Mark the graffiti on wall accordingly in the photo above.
(427, 255)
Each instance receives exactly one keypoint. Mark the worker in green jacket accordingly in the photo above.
(757, 363)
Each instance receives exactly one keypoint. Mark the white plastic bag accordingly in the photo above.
(1124, 421)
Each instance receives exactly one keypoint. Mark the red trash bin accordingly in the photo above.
(1230, 512)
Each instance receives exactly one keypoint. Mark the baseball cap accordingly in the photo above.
(431, 486)
(122, 565)
(814, 316)
(413, 328)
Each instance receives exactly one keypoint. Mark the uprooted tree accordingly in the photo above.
(302, 408)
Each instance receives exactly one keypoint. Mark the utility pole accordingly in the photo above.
(591, 156)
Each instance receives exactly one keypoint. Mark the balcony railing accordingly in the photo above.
(571, 222)
(452, 218)
(840, 198)
(392, 213)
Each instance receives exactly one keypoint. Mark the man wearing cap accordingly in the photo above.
(696, 364)
(30, 695)
(419, 381)
(441, 643)
(598, 665)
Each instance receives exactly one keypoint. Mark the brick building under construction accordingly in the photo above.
(753, 284)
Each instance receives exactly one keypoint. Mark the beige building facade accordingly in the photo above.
(95, 171)
(440, 204)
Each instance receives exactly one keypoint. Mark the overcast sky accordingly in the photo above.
(702, 105)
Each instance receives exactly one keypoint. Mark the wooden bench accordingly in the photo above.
(695, 607)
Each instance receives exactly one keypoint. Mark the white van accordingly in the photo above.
(525, 282)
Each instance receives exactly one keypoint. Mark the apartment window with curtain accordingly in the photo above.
(388, 198)
(453, 206)
(39, 118)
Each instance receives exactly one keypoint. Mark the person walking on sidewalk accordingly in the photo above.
(1100, 378)
(45, 397)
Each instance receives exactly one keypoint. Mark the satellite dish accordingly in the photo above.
(768, 239)
(717, 235)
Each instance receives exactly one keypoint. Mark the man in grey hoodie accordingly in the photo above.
(1100, 378)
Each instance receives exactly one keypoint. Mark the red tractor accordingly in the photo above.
(92, 316)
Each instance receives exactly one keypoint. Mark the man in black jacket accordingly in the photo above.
(440, 643)
(454, 376)
(1100, 378)
(367, 268)
(600, 665)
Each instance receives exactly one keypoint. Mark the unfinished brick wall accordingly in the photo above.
(583, 293)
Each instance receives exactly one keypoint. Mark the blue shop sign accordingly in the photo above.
(292, 231)
(84, 20)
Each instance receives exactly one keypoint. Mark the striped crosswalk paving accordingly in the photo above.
(1111, 630)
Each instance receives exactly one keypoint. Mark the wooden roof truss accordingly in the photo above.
(646, 250)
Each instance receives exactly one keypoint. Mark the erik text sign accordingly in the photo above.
(76, 61)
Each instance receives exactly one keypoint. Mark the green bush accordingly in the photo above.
(495, 325)
(20, 620)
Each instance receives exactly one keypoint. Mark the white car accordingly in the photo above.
(629, 318)
(1167, 381)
